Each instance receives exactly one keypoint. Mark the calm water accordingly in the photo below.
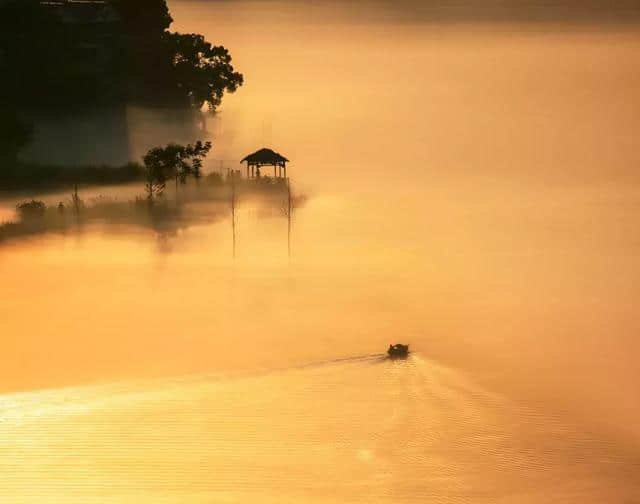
(473, 191)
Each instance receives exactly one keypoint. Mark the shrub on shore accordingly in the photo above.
(33, 209)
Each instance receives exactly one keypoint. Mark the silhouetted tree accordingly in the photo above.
(173, 161)
(194, 156)
(172, 68)
(201, 70)
(156, 172)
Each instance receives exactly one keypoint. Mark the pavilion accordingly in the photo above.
(266, 157)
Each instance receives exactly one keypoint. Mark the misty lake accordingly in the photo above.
(472, 190)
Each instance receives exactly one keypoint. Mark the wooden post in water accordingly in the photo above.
(75, 198)
(76, 201)
(233, 211)
(288, 219)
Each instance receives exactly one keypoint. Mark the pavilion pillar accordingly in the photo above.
(247, 170)
(285, 171)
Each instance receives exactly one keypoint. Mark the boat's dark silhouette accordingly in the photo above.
(398, 351)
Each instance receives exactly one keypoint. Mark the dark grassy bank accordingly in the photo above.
(15, 176)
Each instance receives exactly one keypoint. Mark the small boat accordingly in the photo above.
(398, 351)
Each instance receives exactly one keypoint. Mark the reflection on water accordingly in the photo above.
(189, 205)
(473, 193)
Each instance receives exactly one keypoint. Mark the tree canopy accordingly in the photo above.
(129, 58)
(202, 70)
(143, 16)
(173, 161)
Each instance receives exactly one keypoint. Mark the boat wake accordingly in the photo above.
(379, 357)
(85, 398)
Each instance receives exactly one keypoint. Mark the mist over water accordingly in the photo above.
(472, 191)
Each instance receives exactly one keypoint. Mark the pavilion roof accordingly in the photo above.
(265, 156)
